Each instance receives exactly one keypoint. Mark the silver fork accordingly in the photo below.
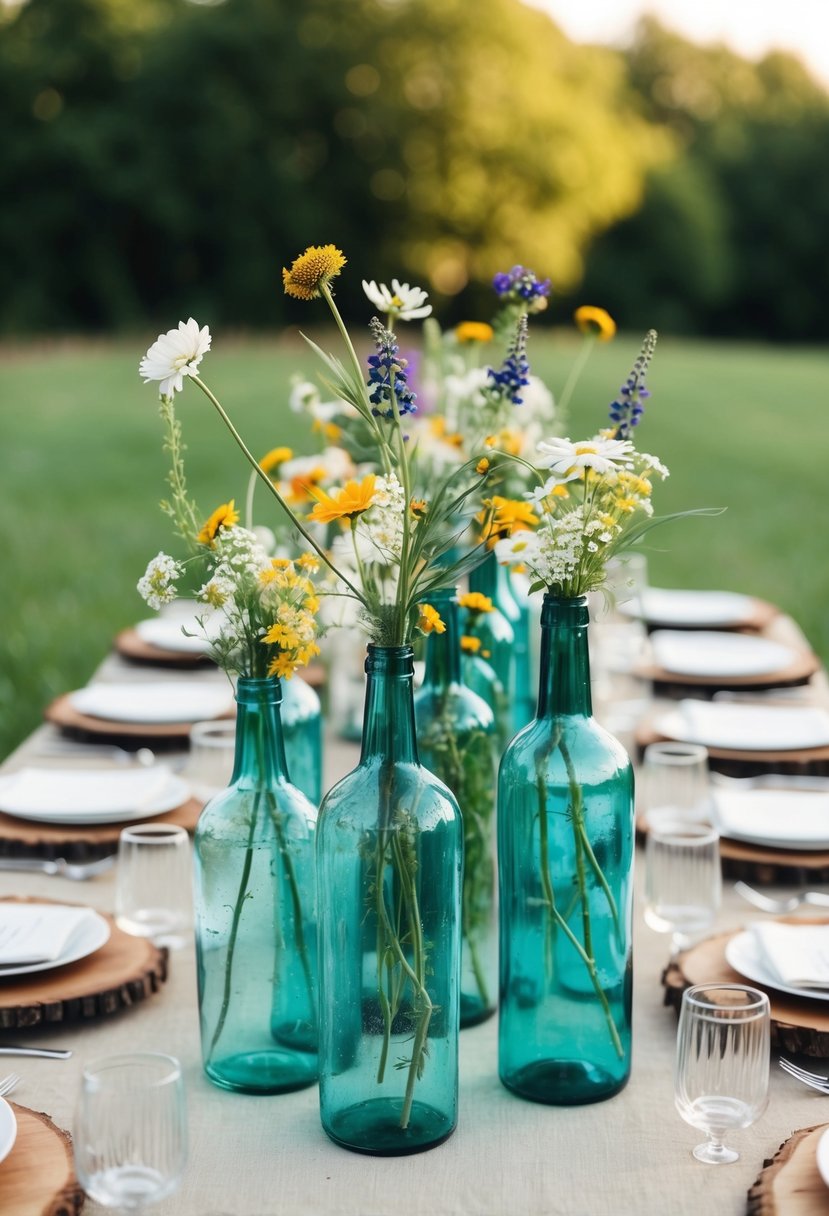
(765, 903)
(59, 865)
(813, 1079)
(8, 1083)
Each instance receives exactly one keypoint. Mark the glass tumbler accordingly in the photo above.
(675, 781)
(683, 879)
(210, 762)
(153, 890)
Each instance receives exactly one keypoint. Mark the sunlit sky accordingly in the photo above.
(750, 27)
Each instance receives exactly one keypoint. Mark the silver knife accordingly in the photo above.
(49, 1053)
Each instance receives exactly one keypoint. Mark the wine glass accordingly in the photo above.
(683, 880)
(721, 1078)
(675, 781)
(130, 1134)
(153, 890)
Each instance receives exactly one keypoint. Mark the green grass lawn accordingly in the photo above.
(741, 427)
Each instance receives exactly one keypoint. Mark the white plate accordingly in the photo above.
(667, 606)
(822, 1156)
(167, 634)
(764, 728)
(8, 1129)
(742, 954)
(91, 935)
(154, 703)
(173, 793)
(706, 653)
(780, 818)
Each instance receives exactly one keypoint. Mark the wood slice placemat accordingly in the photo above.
(790, 1183)
(124, 971)
(811, 760)
(798, 1024)
(22, 838)
(130, 645)
(38, 1177)
(676, 684)
(61, 712)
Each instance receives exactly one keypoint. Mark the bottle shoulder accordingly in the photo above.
(236, 807)
(571, 739)
(456, 705)
(357, 798)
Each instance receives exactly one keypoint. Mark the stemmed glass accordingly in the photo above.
(683, 880)
(130, 1134)
(722, 1063)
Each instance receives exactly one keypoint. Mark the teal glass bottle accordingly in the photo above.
(493, 628)
(389, 867)
(302, 732)
(494, 580)
(456, 740)
(565, 858)
(255, 893)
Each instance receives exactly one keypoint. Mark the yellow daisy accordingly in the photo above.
(283, 666)
(430, 620)
(418, 507)
(346, 503)
(308, 562)
(312, 271)
(595, 322)
(475, 602)
(474, 331)
(224, 516)
(282, 635)
(469, 644)
(482, 466)
(274, 458)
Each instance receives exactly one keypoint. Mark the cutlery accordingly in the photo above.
(59, 865)
(813, 1079)
(7, 1084)
(47, 1053)
(66, 750)
(765, 903)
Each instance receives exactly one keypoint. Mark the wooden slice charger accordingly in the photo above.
(798, 1024)
(790, 1183)
(124, 971)
(61, 712)
(81, 843)
(677, 684)
(37, 1178)
(130, 645)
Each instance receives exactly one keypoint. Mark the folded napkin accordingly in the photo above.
(752, 727)
(707, 653)
(797, 955)
(785, 817)
(38, 933)
(45, 790)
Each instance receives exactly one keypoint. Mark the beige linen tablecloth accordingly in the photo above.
(252, 1156)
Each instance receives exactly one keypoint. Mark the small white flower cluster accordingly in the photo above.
(238, 559)
(157, 585)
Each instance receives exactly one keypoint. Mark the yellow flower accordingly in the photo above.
(418, 507)
(437, 425)
(475, 602)
(474, 331)
(309, 562)
(595, 321)
(504, 517)
(508, 440)
(274, 458)
(283, 666)
(282, 635)
(469, 644)
(430, 620)
(307, 652)
(312, 271)
(311, 604)
(281, 563)
(482, 466)
(224, 516)
(302, 485)
(346, 503)
(329, 430)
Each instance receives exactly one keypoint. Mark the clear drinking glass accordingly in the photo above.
(675, 781)
(683, 881)
(153, 890)
(722, 1063)
(210, 762)
(130, 1133)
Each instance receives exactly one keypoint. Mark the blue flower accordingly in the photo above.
(515, 370)
(627, 409)
(387, 375)
(521, 286)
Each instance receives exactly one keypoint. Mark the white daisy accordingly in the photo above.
(566, 460)
(403, 302)
(175, 355)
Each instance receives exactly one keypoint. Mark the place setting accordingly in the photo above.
(181, 638)
(687, 609)
(162, 709)
(712, 659)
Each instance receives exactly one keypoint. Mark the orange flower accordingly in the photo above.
(474, 331)
(224, 516)
(595, 322)
(346, 503)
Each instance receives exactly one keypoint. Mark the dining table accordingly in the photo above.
(268, 1156)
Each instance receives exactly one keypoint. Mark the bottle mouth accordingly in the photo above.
(389, 660)
(252, 690)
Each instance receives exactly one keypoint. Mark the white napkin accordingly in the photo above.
(706, 653)
(37, 933)
(64, 791)
(676, 607)
(750, 727)
(154, 702)
(798, 955)
(168, 635)
(774, 816)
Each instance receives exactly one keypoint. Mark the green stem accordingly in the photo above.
(576, 370)
(296, 902)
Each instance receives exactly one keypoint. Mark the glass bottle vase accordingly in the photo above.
(565, 849)
(456, 740)
(389, 862)
(302, 731)
(255, 891)
(497, 644)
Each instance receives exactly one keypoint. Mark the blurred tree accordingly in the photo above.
(161, 158)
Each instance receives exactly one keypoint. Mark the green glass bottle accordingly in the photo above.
(389, 864)
(494, 580)
(565, 857)
(493, 628)
(302, 730)
(456, 740)
(255, 894)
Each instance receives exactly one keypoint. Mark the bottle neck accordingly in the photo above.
(564, 678)
(484, 578)
(443, 650)
(389, 721)
(260, 748)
